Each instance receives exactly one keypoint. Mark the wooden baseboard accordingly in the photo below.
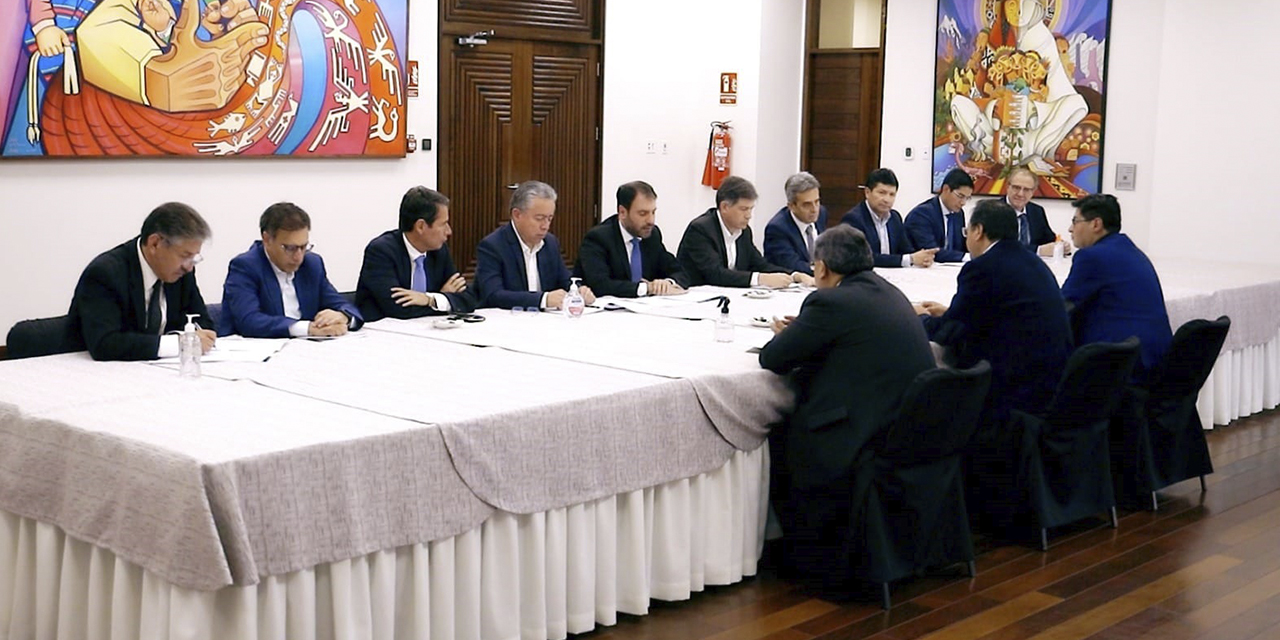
(4, 352)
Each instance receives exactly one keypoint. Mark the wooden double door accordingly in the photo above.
(523, 106)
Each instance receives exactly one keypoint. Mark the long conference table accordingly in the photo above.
(528, 476)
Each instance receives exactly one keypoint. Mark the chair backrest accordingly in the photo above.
(939, 414)
(1190, 359)
(42, 337)
(215, 314)
(1092, 383)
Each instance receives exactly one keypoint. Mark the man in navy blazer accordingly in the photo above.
(624, 255)
(938, 223)
(790, 235)
(132, 300)
(408, 273)
(1113, 289)
(1033, 225)
(1008, 311)
(279, 288)
(883, 227)
(519, 264)
(717, 248)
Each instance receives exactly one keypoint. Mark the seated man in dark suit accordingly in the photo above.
(1033, 225)
(877, 220)
(519, 264)
(624, 255)
(131, 300)
(1113, 290)
(789, 236)
(855, 347)
(408, 273)
(938, 223)
(279, 288)
(1008, 311)
(717, 248)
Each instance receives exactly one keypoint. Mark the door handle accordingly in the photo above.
(513, 186)
(479, 38)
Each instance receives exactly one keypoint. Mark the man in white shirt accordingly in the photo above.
(791, 234)
(519, 264)
(624, 255)
(882, 225)
(279, 288)
(717, 247)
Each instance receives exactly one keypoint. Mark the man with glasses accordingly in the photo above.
(1033, 225)
(1112, 290)
(408, 273)
(131, 301)
(938, 223)
(279, 288)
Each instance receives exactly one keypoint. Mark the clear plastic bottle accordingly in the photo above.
(189, 349)
(724, 323)
(573, 301)
(1059, 249)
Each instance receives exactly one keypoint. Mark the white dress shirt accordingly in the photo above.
(882, 230)
(442, 302)
(531, 265)
(168, 343)
(289, 299)
(805, 228)
(731, 248)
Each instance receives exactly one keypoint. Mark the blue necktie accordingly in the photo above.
(953, 232)
(637, 270)
(419, 282)
(1024, 232)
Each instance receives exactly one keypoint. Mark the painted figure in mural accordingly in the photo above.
(1033, 104)
(110, 77)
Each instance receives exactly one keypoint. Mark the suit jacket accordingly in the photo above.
(704, 256)
(784, 245)
(927, 227)
(856, 347)
(1008, 310)
(386, 265)
(500, 270)
(108, 310)
(1038, 225)
(899, 242)
(251, 302)
(1116, 293)
(603, 264)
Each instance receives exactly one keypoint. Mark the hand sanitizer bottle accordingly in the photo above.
(724, 323)
(573, 302)
(1059, 249)
(189, 349)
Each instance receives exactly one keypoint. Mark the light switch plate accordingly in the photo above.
(1126, 177)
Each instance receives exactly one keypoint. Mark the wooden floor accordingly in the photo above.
(1203, 566)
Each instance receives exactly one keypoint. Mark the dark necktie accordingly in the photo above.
(637, 268)
(953, 231)
(808, 240)
(153, 309)
(1024, 231)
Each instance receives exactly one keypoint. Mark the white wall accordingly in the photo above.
(663, 61)
(56, 215)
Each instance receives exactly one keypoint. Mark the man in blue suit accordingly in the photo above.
(279, 288)
(1113, 290)
(938, 223)
(1034, 232)
(790, 235)
(519, 264)
(883, 227)
(1008, 311)
(407, 272)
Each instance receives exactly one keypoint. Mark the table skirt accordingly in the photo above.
(1243, 382)
(533, 577)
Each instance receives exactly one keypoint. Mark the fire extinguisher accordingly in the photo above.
(717, 166)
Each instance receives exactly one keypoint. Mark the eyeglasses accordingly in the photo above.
(1076, 221)
(1013, 188)
(188, 260)
(295, 248)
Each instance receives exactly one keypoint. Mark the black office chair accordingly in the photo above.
(1157, 436)
(914, 515)
(42, 337)
(214, 311)
(1064, 469)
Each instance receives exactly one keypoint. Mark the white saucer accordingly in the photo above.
(447, 323)
(761, 321)
(759, 294)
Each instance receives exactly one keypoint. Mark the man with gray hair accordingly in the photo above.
(519, 264)
(855, 327)
(790, 235)
(131, 301)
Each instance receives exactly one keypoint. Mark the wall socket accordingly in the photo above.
(650, 147)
